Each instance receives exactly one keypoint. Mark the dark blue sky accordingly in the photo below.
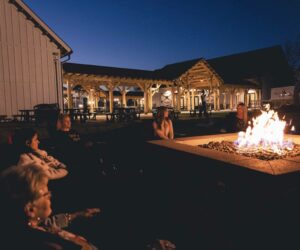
(148, 34)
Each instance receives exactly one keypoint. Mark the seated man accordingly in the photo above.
(72, 149)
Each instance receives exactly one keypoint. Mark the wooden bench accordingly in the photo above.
(17, 118)
(3, 118)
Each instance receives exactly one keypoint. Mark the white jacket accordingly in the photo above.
(53, 168)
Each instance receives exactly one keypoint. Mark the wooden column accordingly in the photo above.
(146, 100)
(150, 94)
(111, 98)
(69, 94)
(258, 97)
(178, 98)
(105, 103)
(96, 101)
(193, 99)
(215, 100)
(145, 89)
(91, 100)
(224, 100)
(188, 96)
(231, 99)
(218, 99)
(173, 97)
(246, 97)
(123, 92)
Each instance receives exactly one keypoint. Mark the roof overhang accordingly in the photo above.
(94, 80)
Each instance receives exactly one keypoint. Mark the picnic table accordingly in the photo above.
(82, 114)
(173, 114)
(26, 115)
(3, 118)
(123, 114)
(97, 111)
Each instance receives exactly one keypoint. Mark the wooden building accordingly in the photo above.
(91, 77)
(246, 77)
(30, 59)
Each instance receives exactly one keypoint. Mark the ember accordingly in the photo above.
(259, 152)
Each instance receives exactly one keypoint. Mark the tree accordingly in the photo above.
(292, 51)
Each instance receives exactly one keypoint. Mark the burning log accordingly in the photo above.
(258, 152)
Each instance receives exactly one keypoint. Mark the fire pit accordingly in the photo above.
(250, 178)
(191, 145)
(262, 147)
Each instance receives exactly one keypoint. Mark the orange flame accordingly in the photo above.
(267, 133)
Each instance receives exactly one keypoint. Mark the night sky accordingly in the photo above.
(148, 34)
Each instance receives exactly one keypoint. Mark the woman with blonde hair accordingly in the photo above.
(162, 125)
(25, 210)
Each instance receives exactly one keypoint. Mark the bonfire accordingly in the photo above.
(264, 139)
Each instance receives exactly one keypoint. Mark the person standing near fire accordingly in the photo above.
(236, 122)
(241, 121)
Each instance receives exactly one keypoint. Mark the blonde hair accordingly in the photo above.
(20, 184)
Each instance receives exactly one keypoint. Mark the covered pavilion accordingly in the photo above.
(245, 77)
(184, 81)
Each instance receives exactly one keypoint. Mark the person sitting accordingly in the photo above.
(238, 121)
(67, 141)
(26, 144)
(241, 122)
(67, 133)
(71, 147)
(26, 210)
(162, 125)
